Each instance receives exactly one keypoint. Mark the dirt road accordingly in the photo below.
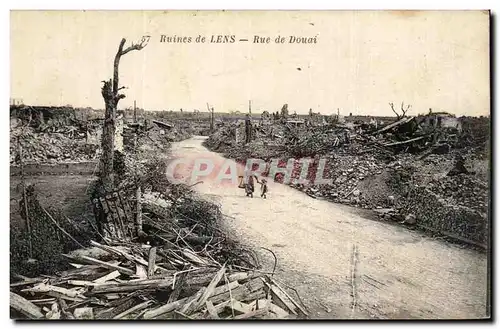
(398, 273)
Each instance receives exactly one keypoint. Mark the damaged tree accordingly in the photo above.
(111, 97)
(403, 110)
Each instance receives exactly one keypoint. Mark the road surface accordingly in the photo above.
(398, 273)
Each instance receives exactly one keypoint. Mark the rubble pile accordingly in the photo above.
(53, 147)
(53, 134)
(430, 211)
(345, 173)
(315, 141)
(476, 133)
(157, 134)
(462, 190)
(223, 138)
(169, 131)
(377, 167)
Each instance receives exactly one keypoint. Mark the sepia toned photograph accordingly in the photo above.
(250, 165)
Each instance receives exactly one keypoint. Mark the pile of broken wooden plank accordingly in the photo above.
(134, 281)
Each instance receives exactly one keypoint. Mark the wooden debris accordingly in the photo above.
(178, 287)
(26, 282)
(281, 298)
(60, 228)
(290, 298)
(108, 277)
(405, 142)
(64, 310)
(76, 265)
(20, 304)
(140, 271)
(138, 307)
(54, 313)
(84, 313)
(82, 283)
(177, 304)
(188, 306)
(119, 252)
(178, 280)
(130, 286)
(211, 310)
(163, 124)
(87, 272)
(239, 306)
(107, 265)
(240, 276)
(280, 313)
(251, 314)
(208, 292)
(151, 262)
(43, 301)
(393, 125)
(59, 292)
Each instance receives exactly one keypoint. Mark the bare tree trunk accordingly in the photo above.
(108, 137)
(111, 97)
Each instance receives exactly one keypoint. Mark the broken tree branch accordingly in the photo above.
(60, 228)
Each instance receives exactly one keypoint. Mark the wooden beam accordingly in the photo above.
(107, 265)
(138, 307)
(107, 277)
(394, 124)
(208, 292)
(405, 142)
(151, 261)
(25, 307)
(130, 286)
(151, 314)
(211, 310)
(261, 311)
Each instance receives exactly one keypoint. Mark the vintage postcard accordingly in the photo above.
(241, 165)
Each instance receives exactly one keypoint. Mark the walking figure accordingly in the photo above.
(263, 187)
(248, 186)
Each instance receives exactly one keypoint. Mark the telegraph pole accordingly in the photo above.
(248, 123)
(212, 119)
(135, 112)
(211, 111)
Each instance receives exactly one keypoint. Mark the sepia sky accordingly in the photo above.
(362, 60)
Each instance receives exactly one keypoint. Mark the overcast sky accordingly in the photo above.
(362, 60)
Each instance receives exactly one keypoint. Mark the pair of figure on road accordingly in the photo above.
(250, 187)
